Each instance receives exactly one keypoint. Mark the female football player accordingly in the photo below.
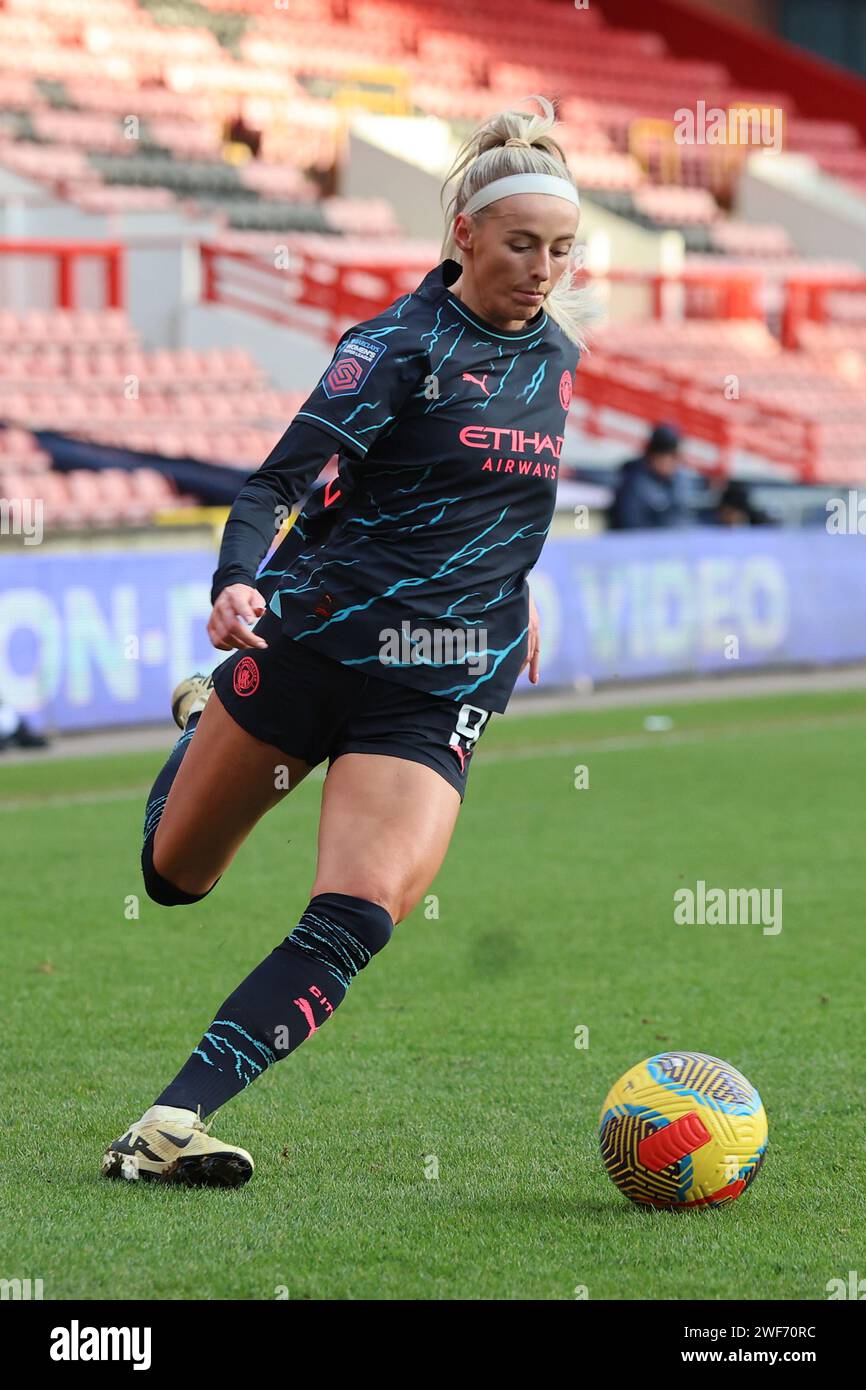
(390, 623)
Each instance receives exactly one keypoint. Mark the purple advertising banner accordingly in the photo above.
(628, 605)
(101, 638)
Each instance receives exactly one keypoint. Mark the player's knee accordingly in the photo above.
(342, 931)
(404, 899)
(408, 899)
(161, 890)
(381, 892)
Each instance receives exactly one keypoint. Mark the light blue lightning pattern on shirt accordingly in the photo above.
(460, 691)
(531, 387)
(468, 553)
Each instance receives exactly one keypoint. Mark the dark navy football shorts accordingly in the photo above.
(312, 707)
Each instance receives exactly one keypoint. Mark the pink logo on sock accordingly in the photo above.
(308, 1014)
(314, 989)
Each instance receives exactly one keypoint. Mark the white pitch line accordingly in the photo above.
(630, 743)
(44, 803)
(625, 743)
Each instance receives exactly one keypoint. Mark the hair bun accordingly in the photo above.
(517, 142)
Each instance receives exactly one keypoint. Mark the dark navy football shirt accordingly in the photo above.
(411, 563)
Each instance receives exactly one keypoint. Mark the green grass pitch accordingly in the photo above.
(456, 1047)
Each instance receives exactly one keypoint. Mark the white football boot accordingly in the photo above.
(173, 1145)
(190, 697)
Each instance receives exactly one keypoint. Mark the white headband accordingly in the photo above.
(522, 183)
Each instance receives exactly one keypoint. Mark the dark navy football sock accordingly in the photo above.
(285, 1000)
(159, 888)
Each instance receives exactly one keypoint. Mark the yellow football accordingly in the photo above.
(683, 1129)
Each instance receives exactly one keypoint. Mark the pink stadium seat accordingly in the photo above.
(687, 206)
(66, 371)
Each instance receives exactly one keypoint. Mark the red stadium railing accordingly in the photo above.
(66, 256)
(739, 294)
(345, 292)
(806, 302)
(324, 297)
(312, 292)
(775, 434)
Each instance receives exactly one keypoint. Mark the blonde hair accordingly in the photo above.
(515, 142)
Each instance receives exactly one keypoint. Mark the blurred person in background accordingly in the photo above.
(15, 732)
(241, 138)
(734, 508)
(651, 490)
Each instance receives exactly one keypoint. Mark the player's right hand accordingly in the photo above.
(236, 606)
